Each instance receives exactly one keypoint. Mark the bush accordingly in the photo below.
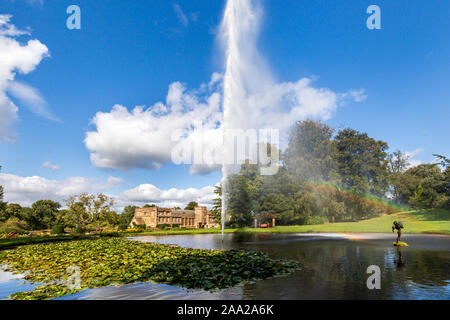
(57, 229)
(316, 220)
(163, 226)
(123, 227)
(79, 230)
(13, 225)
(142, 227)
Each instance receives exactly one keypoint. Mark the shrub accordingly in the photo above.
(163, 226)
(316, 220)
(57, 229)
(123, 227)
(79, 230)
(13, 225)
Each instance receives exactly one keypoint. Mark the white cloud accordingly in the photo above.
(182, 18)
(14, 57)
(148, 193)
(110, 183)
(253, 99)
(26, 190)
(142, 137)
(410, 155)
(49, 165)
(31, 98)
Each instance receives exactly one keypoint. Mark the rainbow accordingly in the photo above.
(367, 197)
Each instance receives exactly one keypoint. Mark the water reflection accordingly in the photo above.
(335, 267)
(11, 283)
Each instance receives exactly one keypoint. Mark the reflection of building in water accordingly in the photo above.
(151, 217)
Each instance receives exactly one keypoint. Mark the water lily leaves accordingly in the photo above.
(103, 262)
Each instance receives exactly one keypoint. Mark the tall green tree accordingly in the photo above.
(13, 210)
(89, 209)
(43, 214)
(279, 205)
(216, 210)
(423, 186)
(2, 204)
(362, 162)
(398, 163)
(127, 215)
(309, 155)
(191, 205)
(238, 201)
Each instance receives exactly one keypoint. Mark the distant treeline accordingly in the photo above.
(324, 177)
(328, 177)
(83, 213)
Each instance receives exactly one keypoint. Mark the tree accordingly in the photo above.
(278, 205)
(423, 186)
(127, 215)
(14, 225)
(2, 204)
(149, 206)
(444, 161)
(216, 210)
(445, 187)
(420, 199)
(309, 155)
(110, 219)
(397, 164)
(10, 210)
(362, 162)
(88, 209)
(43, 214)
(191, 205)
(238, 201)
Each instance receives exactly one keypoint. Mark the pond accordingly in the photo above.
(334, 267)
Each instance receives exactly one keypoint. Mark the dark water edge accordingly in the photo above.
(335, 267)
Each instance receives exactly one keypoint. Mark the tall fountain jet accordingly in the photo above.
(239, 30)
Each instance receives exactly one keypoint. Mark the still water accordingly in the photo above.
(334, 267)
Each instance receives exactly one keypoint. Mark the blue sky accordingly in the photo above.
(129, 54)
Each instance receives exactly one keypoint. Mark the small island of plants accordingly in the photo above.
(112, 261)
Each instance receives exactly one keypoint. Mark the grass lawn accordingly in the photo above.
(421, 221)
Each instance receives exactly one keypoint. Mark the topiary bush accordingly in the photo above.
(57, 229)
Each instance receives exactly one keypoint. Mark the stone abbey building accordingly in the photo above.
(151, 217)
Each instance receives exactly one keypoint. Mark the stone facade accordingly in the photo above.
(200, 217)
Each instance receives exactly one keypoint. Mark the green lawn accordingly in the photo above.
(422, 221)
